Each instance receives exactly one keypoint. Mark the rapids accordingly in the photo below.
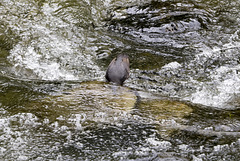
(181, 102)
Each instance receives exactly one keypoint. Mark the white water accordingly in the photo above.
(52, 49)
(219, 92)
(213, 74)
(49, 49)
(223, 89)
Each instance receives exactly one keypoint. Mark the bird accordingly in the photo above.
(118, 70)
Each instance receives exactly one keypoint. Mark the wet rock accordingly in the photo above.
(168, 114)
(100, 95)
(165, 109)
(92, 101)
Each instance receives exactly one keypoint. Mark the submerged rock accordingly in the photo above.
(92, 101)
(101, 95)
(165, 109)
(168, 114)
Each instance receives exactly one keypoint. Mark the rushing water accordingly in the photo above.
(181, 101)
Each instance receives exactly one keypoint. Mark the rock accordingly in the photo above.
(165, 109)
(168, 114)
(94, 101)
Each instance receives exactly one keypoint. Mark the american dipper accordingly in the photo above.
(118, 69)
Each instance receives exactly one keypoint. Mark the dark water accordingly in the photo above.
(181, 101)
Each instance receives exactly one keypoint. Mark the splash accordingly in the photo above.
(221, 86)
(50, 48)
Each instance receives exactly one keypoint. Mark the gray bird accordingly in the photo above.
(118, 69)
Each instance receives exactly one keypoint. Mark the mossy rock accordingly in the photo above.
(165, 109)
(168, 114)
(96, 101)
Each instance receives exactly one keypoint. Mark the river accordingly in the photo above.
(181, 101)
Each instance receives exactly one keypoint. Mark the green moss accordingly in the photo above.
(91, 99)
(165, 109)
